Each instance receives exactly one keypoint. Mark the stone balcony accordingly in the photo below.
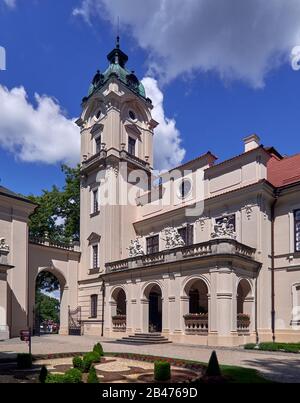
(214, 248)
(119, 323)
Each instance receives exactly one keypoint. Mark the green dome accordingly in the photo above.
(117, 67)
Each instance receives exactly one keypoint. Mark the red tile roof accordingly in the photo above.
(284, 171)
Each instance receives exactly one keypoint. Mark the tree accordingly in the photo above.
(47, 306)
(46, 282)
(57, 216)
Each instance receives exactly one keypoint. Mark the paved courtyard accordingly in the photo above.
(281, 367)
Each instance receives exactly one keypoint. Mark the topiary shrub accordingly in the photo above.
(92, 377)
(78, 363)
(98, 349)
(43, 374)
(162, 371)
(89, 359)
(213, 368)
(74, 375)
(24, 361)
(55, 378)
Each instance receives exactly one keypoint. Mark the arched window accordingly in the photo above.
(94, 306)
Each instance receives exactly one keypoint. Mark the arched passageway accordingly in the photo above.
(119, 310)
(196, 307)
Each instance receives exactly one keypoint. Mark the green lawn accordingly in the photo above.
(269, 346)
(242, 375)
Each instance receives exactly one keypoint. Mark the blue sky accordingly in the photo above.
(54, 51)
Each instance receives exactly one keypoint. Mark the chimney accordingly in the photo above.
(251, 142)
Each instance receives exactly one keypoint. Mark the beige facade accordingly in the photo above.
(207, 254)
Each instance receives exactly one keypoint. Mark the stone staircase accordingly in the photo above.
(144, 338)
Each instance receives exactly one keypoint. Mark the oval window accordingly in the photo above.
(132, 115)
(185, 188)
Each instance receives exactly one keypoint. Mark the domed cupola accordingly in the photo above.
(117, 67)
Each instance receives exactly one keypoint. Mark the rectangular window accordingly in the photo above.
(131, 146)
(187, 234)
(94, 306)
(95, 201)
(95, 257)
(98, 144)
(297, 230)
(152, 244)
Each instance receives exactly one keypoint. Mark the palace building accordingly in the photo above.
(208, 253)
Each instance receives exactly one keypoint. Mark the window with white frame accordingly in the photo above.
(187, 234)
(97, 144)
(95, 201)
(94, 306)
(131, 145)
(95, 256)
(297, 230)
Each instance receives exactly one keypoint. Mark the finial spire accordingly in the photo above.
(118, 42)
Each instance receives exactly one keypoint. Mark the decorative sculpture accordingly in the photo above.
(224, 229)
(135, 248)
(173, 238)
(3, 245)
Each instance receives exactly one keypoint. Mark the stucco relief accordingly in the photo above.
(172, 238)
(224, 229)
(249, 211)
(3, 246)
(135, 248)
(201, 221)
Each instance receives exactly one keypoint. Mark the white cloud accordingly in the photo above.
(238, 40)
(40, 133)
(167, 143)
(10, 3)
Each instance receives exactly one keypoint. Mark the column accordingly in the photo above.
(64, 311)
(4, 330)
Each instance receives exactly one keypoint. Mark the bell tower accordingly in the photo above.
(116, 141)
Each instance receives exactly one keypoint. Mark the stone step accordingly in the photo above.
(145, 338)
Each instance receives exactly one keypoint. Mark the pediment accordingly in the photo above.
(133, 129)
(98, 127)
(94, 238)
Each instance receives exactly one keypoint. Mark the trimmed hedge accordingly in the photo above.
(74, 375)
(162, 371)
(89, 359)
(78, 363)
(98, 349)
(24, 361)
(43, 374)
(269, 346)
(71, 376)
(92, 377)
(55, 378)
(213, 368)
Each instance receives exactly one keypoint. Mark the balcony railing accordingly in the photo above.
(243, 323)
(196, 323)
(205, 249)
(119, 323)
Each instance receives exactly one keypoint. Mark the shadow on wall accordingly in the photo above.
(16, 315)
